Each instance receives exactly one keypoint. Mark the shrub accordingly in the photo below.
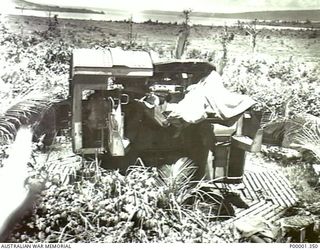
(276, 85)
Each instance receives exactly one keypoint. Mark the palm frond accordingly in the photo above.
(5, 131)
(178, 175)
(25, 112)
(306, 134)
(13, 119)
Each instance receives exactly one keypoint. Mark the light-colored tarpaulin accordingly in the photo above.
(209, 97)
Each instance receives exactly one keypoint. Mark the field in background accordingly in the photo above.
(299, 45)
(285, 63)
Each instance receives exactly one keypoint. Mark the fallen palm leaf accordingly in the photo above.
(304, 133)
(179, 175)
(28, 112)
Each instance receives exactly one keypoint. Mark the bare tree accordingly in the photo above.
(130, 35)
(225, 38)
(252, 30)
(49, 20)
(240, 25)
(183, 35)
(21, 23)
(186, 23)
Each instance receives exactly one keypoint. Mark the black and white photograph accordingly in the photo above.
(159, 122)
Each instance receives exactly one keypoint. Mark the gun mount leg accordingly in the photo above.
(199, 141)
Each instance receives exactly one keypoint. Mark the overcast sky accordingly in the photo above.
(195, 5)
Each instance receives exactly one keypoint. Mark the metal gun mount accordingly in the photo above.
(108, 121)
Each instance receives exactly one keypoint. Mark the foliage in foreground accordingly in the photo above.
(145, 205)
